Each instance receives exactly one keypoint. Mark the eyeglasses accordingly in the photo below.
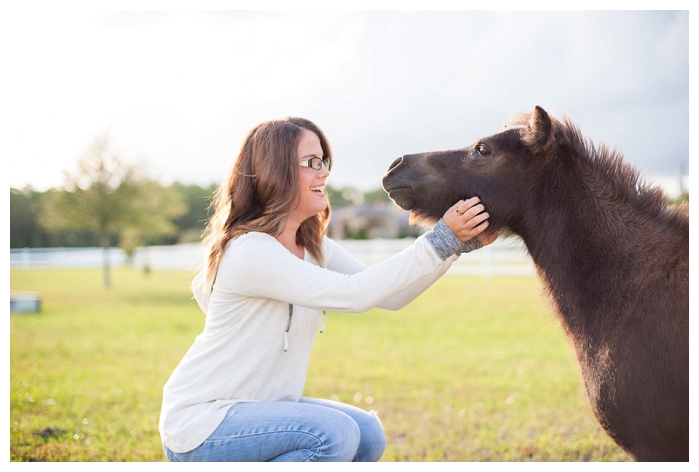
(315, 163)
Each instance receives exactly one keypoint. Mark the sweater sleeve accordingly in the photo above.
(259, 266)
(339, 260)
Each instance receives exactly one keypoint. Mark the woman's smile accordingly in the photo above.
(313, 202)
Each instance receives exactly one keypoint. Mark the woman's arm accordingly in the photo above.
(257, 265)
(339, 260)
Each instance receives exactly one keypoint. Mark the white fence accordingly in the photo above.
(64, 257)
(504, 257)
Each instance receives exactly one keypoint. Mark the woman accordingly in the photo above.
(236, 394)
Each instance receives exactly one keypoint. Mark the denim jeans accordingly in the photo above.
(311, 430)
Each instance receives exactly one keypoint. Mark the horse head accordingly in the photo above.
(493, 168)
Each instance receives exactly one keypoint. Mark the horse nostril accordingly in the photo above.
(395, 163)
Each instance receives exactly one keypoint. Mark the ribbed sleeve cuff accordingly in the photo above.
(445, 243)
(471, 245)
(443, 240)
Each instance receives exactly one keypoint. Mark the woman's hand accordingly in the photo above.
(468, 219)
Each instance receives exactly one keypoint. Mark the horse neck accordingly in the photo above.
(580, 239)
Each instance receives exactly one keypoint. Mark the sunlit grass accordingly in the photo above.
(474, 370)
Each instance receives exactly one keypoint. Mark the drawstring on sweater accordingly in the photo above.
(288, 326)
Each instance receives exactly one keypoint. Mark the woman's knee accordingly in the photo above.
(330, 436)
(342, 440)
(373, 439)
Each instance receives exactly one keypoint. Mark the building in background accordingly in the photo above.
(368, 221)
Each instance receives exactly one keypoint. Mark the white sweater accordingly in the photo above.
(240, 357)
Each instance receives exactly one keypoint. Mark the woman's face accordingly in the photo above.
(311, 191)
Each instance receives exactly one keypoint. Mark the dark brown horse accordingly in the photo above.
(612, 253)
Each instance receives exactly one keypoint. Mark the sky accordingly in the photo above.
(176, 91)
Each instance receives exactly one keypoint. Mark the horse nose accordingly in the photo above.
(395, 164)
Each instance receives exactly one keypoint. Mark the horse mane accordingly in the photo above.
(605, 171)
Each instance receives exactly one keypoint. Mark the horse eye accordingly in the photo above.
(482, 149)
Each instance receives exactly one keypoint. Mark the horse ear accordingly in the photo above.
(539, 128)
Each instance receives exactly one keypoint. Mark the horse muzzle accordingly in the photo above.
(394, 182)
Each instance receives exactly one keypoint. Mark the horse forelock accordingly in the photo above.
(517, 120)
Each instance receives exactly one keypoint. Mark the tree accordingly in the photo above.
(191, 224)
(107, 196)
(683, 197)
(26, 231)
(24, 211)
(152, 216)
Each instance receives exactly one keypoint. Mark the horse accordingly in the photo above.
(612, 253)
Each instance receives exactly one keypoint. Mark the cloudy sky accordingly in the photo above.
(176, 91)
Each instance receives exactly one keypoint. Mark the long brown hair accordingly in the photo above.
(260, 189)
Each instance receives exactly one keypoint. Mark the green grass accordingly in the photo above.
(474, 370)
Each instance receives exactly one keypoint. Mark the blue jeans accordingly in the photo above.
(311, 430)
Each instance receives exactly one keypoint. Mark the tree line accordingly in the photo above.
(106, 202)
(29, 206)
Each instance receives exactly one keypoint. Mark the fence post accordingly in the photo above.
(487, 262)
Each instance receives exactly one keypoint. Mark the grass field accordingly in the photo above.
(473, 370)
